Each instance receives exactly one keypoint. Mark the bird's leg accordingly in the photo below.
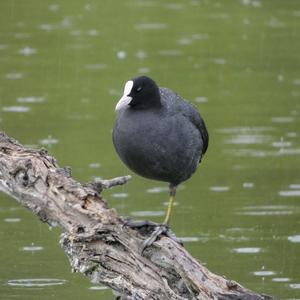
(172, 193)
(164, 227)
(159, 229)
(143, 223)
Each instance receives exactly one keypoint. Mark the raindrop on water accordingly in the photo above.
(121, 55)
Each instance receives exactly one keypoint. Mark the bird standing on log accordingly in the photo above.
(160, 136)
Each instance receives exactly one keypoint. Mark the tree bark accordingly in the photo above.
(95, 239)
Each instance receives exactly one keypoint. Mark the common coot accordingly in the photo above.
(158, 135)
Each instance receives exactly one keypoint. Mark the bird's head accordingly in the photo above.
(140, 93)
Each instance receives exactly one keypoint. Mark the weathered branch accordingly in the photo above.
(95, 239)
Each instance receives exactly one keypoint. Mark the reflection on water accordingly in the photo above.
(63, 67)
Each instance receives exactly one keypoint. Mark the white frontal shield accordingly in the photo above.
(125, 99)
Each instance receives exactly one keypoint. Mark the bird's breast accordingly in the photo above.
(157, 146)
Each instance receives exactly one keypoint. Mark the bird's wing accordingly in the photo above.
(174, 101)
(197, 120)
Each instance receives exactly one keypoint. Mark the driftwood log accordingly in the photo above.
(95, 239)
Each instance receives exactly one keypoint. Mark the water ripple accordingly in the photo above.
(174, 6)
(47, 27)
(94, 165)
(266, 210)
(32, 248)
(244, 130)
(95, 67)
(49, 141)
(275, 23)
(36, 282)
(151, 26)
(53, 7)
(98, 288)
(14, 75)
(281, 279)
(3, 46)
(12, 220)
(294, 186)
(281, 144)
(188, 239)
(31, 99)
(170, 52)
(219, 188)
(264, 273)
(248, 185)
(27, 51)
(247, 250)
(294, 238)
(201, 99)
(248, 139)
(16, 108)
(263, 153)
(120, 195)
(287, 119)
(157, 189)
(148, 213)
(290, 193)
(220, 61)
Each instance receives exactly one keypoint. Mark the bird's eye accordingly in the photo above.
(139, 89)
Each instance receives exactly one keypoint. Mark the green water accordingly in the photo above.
(63, 65)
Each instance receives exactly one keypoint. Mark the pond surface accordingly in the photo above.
(63, 65)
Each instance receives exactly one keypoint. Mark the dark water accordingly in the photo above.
(62, 69)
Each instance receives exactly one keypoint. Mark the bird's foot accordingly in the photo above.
(155, 229)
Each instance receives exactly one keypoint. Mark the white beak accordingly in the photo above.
(125, 100)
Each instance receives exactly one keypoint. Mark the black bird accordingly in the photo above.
(158, 135)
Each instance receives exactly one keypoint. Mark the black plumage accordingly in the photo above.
(157, 134)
